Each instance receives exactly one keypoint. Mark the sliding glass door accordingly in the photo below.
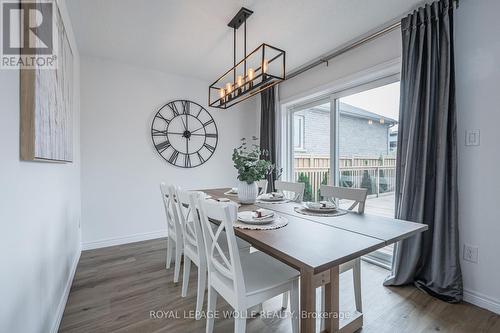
(349, 139)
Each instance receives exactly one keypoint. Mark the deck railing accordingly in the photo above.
(378, 174)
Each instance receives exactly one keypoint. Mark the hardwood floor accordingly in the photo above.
(117, 289)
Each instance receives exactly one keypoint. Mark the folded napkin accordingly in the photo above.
(320, 205)
(262, 213)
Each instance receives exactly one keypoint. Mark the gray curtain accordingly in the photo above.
(268, 130)
(426, 185)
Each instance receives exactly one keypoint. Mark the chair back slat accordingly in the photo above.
(191, 227)
(219, 263)
(173, 224)
(358, 195)
(291, 190)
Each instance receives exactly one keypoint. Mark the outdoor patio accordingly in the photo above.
(382, 205)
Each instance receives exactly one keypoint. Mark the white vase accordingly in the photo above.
(247, 193)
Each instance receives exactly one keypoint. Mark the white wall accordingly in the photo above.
(363, 58)
(478, 106)
(39, 222)
(121, 170)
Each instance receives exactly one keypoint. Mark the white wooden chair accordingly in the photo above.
(174, 230)
(244, 280)
(291, 190)
(358, 195)
(262, 184)
(194, 244)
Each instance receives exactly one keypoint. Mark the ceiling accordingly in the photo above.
(191, 37)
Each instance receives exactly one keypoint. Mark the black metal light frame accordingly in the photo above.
(262, 79)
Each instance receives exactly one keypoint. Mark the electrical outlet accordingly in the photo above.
(472, 137)
(470, 253)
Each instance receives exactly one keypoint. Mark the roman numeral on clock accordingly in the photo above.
(209, 147)
(211, 135)
(187, 161)
(173, 157)
(202, 160)
(161, 147)
(186, 107)
(208, 123)
(199, 112)
(159, 115)
(174, 109)
(156, 132)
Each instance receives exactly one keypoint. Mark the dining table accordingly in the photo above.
(316, 246)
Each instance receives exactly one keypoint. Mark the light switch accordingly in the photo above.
(472, 137)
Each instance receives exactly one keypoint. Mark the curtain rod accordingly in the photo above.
(393, 25)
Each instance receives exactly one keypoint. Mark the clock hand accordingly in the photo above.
(196, 130)
(197, 134)
(185, 126)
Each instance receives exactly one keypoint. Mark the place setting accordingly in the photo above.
(321, 209)
(272, 198)
(260, 219)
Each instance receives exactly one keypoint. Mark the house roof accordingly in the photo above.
(352, 111)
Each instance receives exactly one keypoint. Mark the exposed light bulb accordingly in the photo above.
(382, 121)
(265, 66)
(221, 93)
(239, 81)
(228, 88)
(251, 74)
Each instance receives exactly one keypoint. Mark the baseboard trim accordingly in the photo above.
(65, 295)
(482, 301)
(124, 240)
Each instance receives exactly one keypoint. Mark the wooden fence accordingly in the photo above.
(378, 174)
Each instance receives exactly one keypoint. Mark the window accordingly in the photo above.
(298, 132)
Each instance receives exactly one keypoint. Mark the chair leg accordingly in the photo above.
(211, 305)
(202, 280)
(284, 301)
(294, 306)
(240, 324)
(177, 269)
(185, 276)
(356, 274)
(170, 246)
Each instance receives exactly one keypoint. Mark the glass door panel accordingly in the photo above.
(367, 144)
(311, 147)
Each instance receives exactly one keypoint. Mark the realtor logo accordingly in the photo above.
(28, 35)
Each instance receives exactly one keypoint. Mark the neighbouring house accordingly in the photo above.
(361, 132)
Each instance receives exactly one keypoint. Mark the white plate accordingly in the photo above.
(268, 197)
(248, 217)
(317, 208)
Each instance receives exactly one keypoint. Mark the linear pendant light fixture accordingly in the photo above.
(259, 70)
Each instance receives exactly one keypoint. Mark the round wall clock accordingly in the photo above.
(184, 133)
